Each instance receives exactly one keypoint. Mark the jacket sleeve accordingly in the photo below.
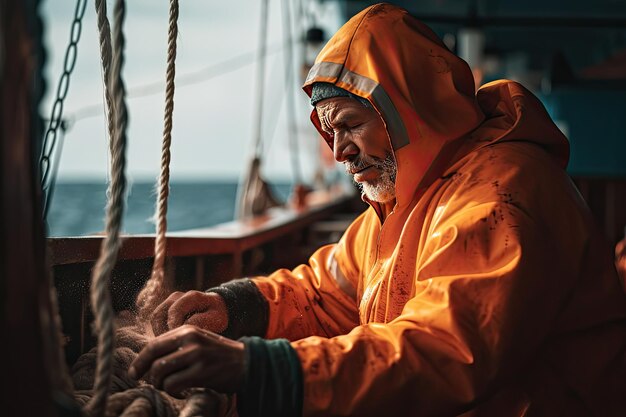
(483, 303)
(318, 298)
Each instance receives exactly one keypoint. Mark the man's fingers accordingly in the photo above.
(208, 321)
(169, 364)
(159, 316)
(159, 347)
(191, 302)
(191, 357)
(189, 377)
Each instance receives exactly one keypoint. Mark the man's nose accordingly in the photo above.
(343, 147)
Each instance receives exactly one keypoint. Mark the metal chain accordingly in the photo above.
(56, 116)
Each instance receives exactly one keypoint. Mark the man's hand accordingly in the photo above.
(205, 310)
(189, 357)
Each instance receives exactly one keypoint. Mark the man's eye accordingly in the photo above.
(355, 126)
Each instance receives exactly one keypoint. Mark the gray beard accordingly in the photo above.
(383, 190)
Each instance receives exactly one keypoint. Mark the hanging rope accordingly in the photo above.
(157, 288)
(117, 121)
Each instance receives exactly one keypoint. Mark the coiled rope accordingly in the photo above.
(130, 398)
(157, 288)
(116, 122)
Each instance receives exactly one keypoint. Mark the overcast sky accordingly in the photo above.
(213, 119)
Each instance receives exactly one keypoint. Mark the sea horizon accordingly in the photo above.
(78, 206)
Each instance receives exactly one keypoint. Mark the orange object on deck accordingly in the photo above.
(488, 291)
(620, 260)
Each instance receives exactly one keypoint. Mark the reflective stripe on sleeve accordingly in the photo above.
(341, 280)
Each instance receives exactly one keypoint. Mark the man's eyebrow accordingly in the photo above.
(333, 118)
(324, 123)
(343, 116)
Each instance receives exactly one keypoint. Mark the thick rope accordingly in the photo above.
(117, 120)
(104, 38)
(129, 397)
(156, 289)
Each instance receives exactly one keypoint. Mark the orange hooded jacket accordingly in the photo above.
(487, 291)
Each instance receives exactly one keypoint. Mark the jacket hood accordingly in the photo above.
(423, 92)
(515, 114)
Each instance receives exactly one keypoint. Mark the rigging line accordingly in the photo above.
(206, 73)
(191, 78)
(271, 120)
(301, 20)
(260, 82)
(291, 117)
(252, 171)
(309, 15)
(275, 102)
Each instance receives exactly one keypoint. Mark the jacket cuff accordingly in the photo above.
(273, 383)
(247, 309)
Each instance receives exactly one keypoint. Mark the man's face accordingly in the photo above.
(360, 142)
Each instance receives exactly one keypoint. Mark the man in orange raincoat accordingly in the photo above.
(475, 284)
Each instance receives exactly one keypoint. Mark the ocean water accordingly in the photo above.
(78, 208)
